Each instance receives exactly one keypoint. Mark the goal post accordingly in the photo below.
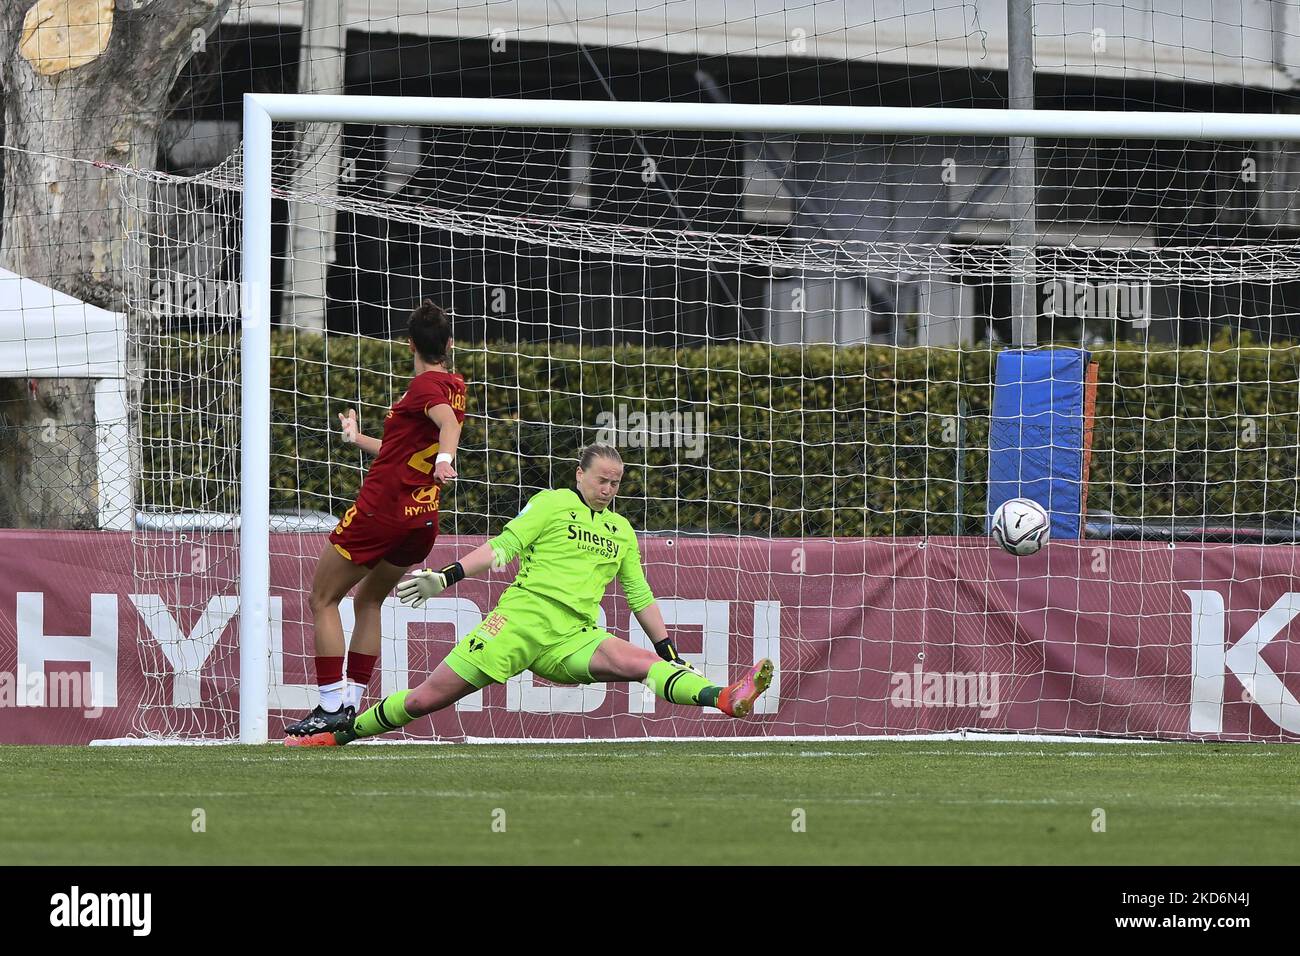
(261, 111)
(255, 428)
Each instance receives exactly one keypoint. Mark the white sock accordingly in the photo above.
(331, 695)
(352, 695)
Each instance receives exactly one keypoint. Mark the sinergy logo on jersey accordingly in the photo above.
(597, 544)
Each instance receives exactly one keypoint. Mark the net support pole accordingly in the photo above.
(321, 57)
(255, 433)
(1023, 235)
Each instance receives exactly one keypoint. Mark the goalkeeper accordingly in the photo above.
(570, 547)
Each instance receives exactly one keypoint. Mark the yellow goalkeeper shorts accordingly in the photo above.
(527, 632)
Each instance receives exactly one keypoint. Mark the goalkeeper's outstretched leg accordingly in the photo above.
(617, 660)
(613, 660)
(440, 689)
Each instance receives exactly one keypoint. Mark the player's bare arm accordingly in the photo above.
(352, 433)
(449, 428)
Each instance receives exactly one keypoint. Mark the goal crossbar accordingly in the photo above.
(262, 109)
(758, 118)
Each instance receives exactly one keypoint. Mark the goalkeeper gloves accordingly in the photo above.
(424, 584)
(669, 653)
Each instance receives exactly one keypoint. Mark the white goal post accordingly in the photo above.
(261, 110)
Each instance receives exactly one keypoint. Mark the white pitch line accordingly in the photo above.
(969, 736)
(469, 751)
(875, 799)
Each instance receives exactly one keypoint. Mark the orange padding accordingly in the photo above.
(1089, 416)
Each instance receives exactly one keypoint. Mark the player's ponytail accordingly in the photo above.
(430, 332)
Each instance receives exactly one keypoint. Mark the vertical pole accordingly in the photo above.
(318, 154)
(959, 475)
(1089, 423)
(255, 437)
(1020, 149)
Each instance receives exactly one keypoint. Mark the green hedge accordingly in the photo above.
(860, 440)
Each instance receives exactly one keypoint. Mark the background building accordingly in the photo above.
(1205, 55)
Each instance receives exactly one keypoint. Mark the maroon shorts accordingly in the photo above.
(368, 539)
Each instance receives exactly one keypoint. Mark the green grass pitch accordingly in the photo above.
(891, 802)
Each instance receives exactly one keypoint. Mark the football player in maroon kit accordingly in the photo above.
(393, 523)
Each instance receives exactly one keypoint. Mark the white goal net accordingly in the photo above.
(802, 345)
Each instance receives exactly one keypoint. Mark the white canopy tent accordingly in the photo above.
(47, 334)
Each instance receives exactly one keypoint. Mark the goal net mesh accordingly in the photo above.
(791, 338)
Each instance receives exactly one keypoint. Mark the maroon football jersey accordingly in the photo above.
(399, 485)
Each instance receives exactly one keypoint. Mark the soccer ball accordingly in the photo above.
(1021, 526)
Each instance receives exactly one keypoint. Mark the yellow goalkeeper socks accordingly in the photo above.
(681, 685)
(389, 714)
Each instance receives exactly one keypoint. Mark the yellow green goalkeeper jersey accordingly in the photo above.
(569, 553)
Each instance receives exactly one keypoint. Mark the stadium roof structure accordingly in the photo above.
(45, 333)
(1231, 42)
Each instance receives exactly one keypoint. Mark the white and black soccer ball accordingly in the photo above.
(1021, 526)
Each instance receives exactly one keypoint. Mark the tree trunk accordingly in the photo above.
(48, 461)
(85, 86)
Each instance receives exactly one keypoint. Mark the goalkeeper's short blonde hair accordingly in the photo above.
(597, 450)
